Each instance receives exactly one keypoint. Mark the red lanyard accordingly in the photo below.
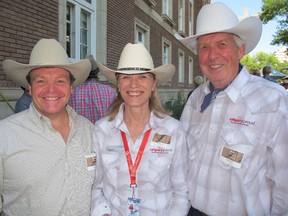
(133, 168)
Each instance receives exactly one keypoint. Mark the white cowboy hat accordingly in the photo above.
(46, 53)
(217, 17)
(135, 59)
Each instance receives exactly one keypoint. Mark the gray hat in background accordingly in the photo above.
(94, 68)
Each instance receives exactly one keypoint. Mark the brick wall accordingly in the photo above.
(120, 29)
(22, 24)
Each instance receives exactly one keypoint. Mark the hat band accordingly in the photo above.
(135, 68)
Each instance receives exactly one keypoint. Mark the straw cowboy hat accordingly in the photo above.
(217, 17)
(46, 53)
(135, 59)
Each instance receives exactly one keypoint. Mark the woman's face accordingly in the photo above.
(136, 89)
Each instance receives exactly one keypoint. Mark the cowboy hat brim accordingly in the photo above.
(249, 30)
(163, 73)
(18, 71)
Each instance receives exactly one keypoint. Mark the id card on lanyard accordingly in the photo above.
(133, 204)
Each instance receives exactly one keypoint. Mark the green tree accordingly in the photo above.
(276, 9)
(250, 63)
(176, 106)
(261, 59)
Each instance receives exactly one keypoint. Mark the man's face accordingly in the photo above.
(219, 58)
(50, 90)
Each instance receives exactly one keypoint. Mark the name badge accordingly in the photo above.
(231, 157)
(160, 138)
(91, 161)
(133, 206)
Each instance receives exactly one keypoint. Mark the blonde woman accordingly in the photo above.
(142, 161)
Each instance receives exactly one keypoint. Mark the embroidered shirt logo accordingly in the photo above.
(241, 121)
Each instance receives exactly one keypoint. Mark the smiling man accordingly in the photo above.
(236, 123)
(44, 150)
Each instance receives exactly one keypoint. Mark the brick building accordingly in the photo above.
(102, 28)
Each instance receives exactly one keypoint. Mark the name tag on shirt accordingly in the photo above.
(231, 157)
(91, 161)
(133, 206)
(165, 139)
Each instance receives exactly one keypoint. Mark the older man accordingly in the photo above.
(46, 150)
(236, 123)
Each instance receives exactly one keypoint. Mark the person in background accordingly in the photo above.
(46, 150)
(284, 82)
(257, 72)
(236, 123)
(92, 99)
(266, 72)
(198, 80)
(24, 101)
(142, 150)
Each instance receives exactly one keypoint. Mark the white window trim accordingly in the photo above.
(139, 24)
(169, 55)
(91, 9)
(191, 71)
(167, 6)
(165, 41)
(181, 16)
(191, 17)
(181, 66)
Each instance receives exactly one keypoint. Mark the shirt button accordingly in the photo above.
(202, 171)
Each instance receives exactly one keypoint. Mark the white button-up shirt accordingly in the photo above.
(161, 175)
(238, 148)
(40, 174)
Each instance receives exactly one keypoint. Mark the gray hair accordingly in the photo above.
(239, 42)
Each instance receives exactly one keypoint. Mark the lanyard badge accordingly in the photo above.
(133, 204)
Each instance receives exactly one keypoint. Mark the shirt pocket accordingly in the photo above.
(253, 148)
(159, 167)
(241, 141)
(111, 165)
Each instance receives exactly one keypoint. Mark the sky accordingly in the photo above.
(268, 30)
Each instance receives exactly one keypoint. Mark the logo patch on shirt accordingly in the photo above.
(241, 121)
(114, 148)
(162, 138)
(160, 150)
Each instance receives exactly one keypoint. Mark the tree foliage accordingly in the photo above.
(176, 106)
(261, 59)
(276, 9)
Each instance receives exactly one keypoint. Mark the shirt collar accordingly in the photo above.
(120, 124)
(234, 89)
(39, 119)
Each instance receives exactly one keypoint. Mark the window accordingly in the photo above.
(166, 51)
(84, 36)
(190, 71)
(181, 66)
(191, 17)
(142, 33)
(167, 8)
(181, 16)
(80, 14)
